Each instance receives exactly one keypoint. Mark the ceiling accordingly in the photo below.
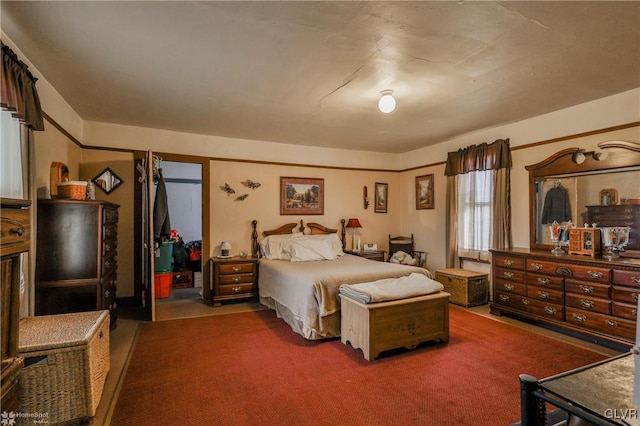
(310, 73)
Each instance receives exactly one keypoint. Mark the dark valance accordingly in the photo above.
(19, 94)
(496, 155)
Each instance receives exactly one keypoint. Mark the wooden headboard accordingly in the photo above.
(289, 228)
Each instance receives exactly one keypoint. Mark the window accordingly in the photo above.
(11, 158)
(475, 214)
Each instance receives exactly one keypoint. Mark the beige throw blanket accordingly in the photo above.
(391, 289)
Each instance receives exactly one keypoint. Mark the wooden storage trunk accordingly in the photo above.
(377, 327)
(66, 363)
(467, 288)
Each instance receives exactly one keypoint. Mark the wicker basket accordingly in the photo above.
(66, 364)
(75, 190)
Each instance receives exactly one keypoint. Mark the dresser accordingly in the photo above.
(594, 297)
(15, 232)
(619, 215)
(233, 278)
(76, 258)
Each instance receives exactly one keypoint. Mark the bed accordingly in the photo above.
(302, 284)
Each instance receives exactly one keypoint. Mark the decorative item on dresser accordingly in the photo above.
(620, 215)
(595, 297)
(233, 278)
(15, 233)
(76, 258)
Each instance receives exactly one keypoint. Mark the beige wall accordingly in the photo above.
(53, 146)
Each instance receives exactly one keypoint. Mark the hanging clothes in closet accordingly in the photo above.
(161, 221)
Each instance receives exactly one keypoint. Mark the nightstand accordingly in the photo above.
(369, 254)
(233, 278)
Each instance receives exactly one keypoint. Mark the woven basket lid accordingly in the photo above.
(59, 331)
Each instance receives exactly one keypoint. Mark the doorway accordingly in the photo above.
(183, 297)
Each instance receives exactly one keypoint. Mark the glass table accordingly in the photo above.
(600, 393)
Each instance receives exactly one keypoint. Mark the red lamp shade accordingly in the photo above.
(353, 223)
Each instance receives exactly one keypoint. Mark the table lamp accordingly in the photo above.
(354, 224)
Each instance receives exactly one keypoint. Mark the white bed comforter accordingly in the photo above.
(305, 293)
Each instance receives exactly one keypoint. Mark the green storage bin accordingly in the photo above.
(164, 258)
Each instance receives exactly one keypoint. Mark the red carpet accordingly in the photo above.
(251, 369)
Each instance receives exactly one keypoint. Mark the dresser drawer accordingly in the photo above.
(630, 278)
(625, 294)
(236, 289)
(235, 279)
(236, 268)
(110, 215)
(568, 270)
(508, 262)
(509, 286)
(551, 296)
(546, 281)
(15, 229)
(109, 230)
(509, 274)
(601, 291)
(623, 310)
(587, 303)
(607, 324)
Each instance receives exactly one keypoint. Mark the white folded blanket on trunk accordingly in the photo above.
(391, 289)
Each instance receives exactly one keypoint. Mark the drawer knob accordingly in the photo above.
(635, 296)
(586, 288)
(508, 274)
(594, 274)
(237, 289)
(543, 294)
(236, 279)
(526, 301)
(635, 280)
(587, 304)
(612, 323)
(509, 287)
(536, 266)
(509, 262)
(550, 310)
(543, 281)
(504, 298)
(18, 231)
(236, 269)
(579, 317)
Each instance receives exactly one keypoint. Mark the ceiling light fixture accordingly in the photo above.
(387, 103)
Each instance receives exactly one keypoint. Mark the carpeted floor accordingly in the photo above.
(251, 369)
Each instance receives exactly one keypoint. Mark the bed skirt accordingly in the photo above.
(329, 326)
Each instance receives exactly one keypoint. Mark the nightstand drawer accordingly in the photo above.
(235, 289)
(235, 279)
(236, 268)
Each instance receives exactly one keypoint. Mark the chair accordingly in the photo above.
(406, 244)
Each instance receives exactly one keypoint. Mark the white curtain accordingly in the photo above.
(11, 177)
(475, 214)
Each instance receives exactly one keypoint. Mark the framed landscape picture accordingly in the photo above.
(424, 192)
(301, 196)
(381, 197)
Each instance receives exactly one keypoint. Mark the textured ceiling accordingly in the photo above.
(310, 73)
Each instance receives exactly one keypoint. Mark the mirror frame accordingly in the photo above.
(576, 161)
(113, 188)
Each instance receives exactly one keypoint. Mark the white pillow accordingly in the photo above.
(308, 249)
(334, 242)
(271, 246)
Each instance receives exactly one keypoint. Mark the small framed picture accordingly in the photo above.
(301, 196)
(381, 197)
(424, 192)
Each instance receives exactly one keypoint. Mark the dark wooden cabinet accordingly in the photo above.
(234, 278)
(619, 215)
(76, 257)
(592, 296)
(15, 233)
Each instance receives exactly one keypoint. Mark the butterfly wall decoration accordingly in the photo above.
(251, 184)
(226, 188)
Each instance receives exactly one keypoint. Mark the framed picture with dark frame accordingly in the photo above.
(382, 192)
(424, 192)
(301, 196)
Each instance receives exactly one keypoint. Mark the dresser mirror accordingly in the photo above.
(585, 187)
(107, 180)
